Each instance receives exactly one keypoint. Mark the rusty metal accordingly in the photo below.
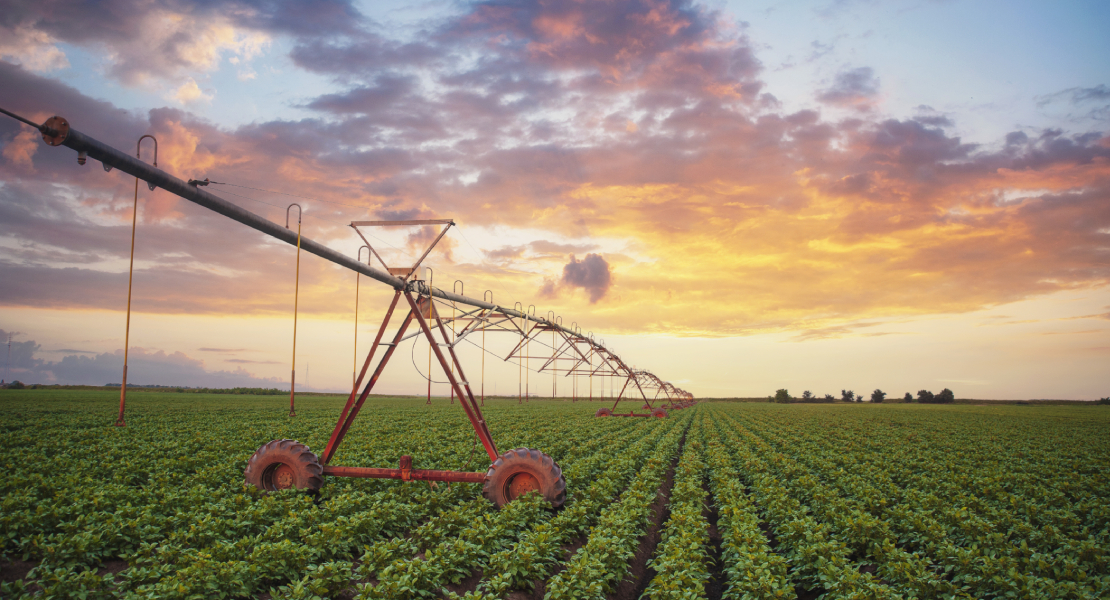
(354, 359)
(60, 125)
(296, 301)
(56, 129)
(431, 308)
(473, 412)
(522, 483)
(490, 292)
(351, 409)
(455, 288)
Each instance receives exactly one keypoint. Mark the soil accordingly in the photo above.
(769, 533)
(804, 594)
(112, 567)
(639, 573)
(466, 585)
(715, 587)
(14, 570)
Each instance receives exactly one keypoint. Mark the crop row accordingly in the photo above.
(457, 543)
(753, 570)
(961, 542)
(538, 552)
(172, 503)
(820, 559)
(681, 560)
(596, 569)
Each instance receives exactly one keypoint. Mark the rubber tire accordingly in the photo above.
(603, 412)
(524, 461)
(646, 406)
(303, 473)
(659, 412)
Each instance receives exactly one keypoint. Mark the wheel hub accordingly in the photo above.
(280, 477)
(521, 484)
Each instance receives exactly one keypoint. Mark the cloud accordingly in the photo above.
(34, 49)
(855, 88)
(20, 150)
(1077, 95)
(142, 40)
(591, 273)
(145, 367)
(1079, 103)
(190, 92)
(838, 331)
(546, 247)
(506, 253)
(513, 117)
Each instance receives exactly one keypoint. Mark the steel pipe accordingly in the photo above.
(111, 157)
(57, 132)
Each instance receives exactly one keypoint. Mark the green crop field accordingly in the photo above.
(722, 500)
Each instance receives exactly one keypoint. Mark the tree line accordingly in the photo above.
(878, 396)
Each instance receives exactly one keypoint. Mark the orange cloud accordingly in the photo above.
(639, 129)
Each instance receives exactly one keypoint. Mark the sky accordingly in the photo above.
(737, 196)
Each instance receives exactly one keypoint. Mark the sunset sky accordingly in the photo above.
(737, 196)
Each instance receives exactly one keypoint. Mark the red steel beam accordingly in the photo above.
(467, 401)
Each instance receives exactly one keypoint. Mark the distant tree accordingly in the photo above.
(847, 395)
(945, 397)
(1104, 400)
(830, 398)
(16, 385)
(807, 395)
(878, 396)
(925, 397)
(782, 396)
(908, 398)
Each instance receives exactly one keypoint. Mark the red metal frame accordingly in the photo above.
(417, 309)
(422, 310)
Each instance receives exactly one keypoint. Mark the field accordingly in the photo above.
(723, 500)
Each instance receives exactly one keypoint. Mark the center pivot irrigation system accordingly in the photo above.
(283, 464)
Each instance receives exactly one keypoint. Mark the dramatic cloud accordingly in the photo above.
(591, 274)
(642, 127)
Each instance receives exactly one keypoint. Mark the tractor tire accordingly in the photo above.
(282, 465)
(659, 412)
(524, 470)
(646, 406)
(603, 412)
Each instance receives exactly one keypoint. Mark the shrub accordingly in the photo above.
(782, 396)
(878, 396)
(829, 398)
(807, 395)
(908, 398)
(16, 385)
(847, 395)
(1104, 400)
